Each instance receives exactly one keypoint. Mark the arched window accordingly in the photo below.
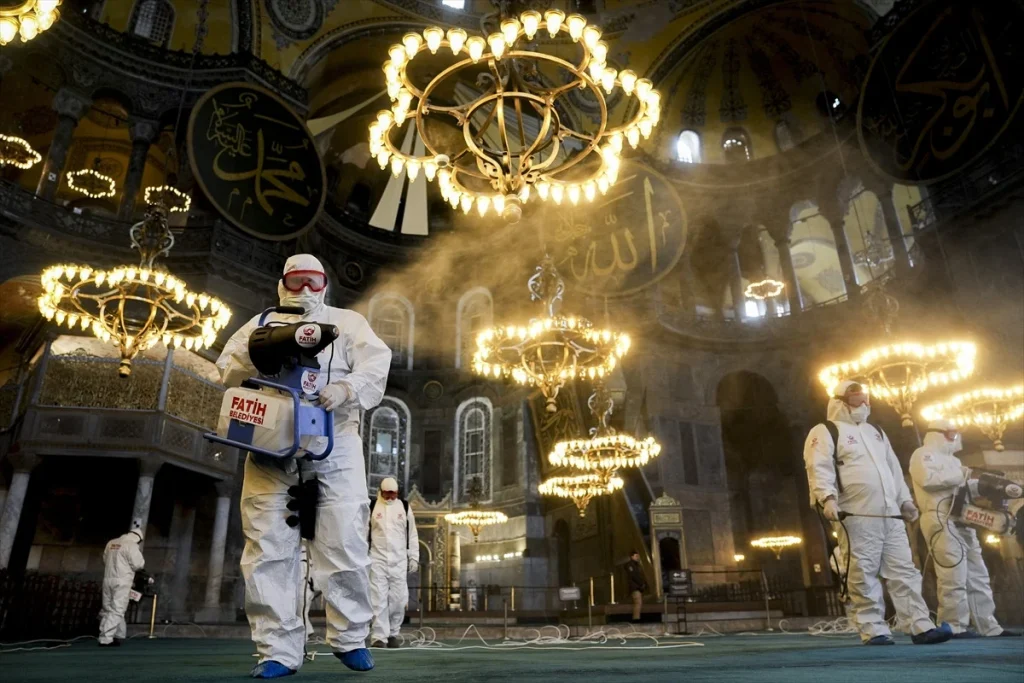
(473, 314)
(393, 320)
(386, 443)
(784, 136)
(736, 145)
(688, 147)
(473, 448)
(153, 20)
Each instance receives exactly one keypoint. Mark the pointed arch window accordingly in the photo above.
(473, 447)
(386, 443)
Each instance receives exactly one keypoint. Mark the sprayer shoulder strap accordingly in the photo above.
(833, 431)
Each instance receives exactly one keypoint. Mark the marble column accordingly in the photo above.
(148, 467)
(736, 284)
(895, 233)
(834, 214)
(143, 133)
(796, 302)
(23, 464)
(454, 570)
(70, 107)
(179, 559)
(215, 571)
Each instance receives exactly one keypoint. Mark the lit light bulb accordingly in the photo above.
(646, 126)
(434, 36)
(396, 166)
(554, 18)
(382, 159)
(497, 43)
(499, 204)
(608, 80)
(510, 31)
(542, 189)
(627, 78)
(599, 53)
(531, 22)
(29, 27)
(603, 185)
(557, 191)
(430, 170)
(483, 202)
(8, 30)
(576, 23)
(476, 46)
(574, 194)
(456, 39)
(633, 136)
(653, 100)
(643, 88)
(412, 169)
(385, 118)
(591, 35)
(596, 70)
(466, 202)
(398, 55)
(412, 42)
(590, 190)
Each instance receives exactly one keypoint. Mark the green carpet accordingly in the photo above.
(761, 658)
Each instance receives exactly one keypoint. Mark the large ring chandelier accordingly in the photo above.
(137, 307)
(776, 544)
(15, 151)
(515, 134)
(605, 450)
(581, 488)
(899, 373)
(549, 350)
(476, 520)
(990, 410)
(27, 18)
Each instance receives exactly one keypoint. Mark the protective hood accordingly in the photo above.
(311, 301)
(935, 440)
(136, 534)
(838, 411)
(389, 484)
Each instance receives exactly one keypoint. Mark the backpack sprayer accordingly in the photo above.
(274, 414)
(994, 490)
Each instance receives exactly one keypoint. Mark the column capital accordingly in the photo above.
(143, 130)
(71, 103)
(149, 465)
(23, 461)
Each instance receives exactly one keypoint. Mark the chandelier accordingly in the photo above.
(27, 18)
(765, 289)
(898, 373)
(91, 183)
(552, 349)
(135, 306)
(580, 488)
(17, 152)
(776, 543)
(170, 197)
(476, 520)
(516, 135)
(605, 450)
(990, 410)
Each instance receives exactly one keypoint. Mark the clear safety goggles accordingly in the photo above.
(856, 395)
(313, 280)
(389, 495)
(952, 435)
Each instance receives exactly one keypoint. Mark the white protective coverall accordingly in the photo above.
(962, 582)
(121, 559)
(394, 554)
(270, 560)
(872, 485)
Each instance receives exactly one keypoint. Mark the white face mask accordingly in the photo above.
(305, 298)
(860, 413)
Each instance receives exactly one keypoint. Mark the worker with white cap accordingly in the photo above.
(394, 549)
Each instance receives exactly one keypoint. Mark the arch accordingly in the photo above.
(393, 318)
(812, 247)
(736, 145)
(153, 20)
(473, 447)
(866, 235)
(669, 551)
(387, 427)
(688, 147)
(474, 312)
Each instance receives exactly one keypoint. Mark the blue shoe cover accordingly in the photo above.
(880, 640)
(270, 669)
(934, 636)
(357, 660)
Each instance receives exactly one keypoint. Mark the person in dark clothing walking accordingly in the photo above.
(637, 582)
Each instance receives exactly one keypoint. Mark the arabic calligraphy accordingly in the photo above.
(256, 161)
(955, 89)
(625, 241)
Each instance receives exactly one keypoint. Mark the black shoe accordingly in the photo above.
(1009, 634)
(394, 643)
(933, 636)
(378, 643)
(967, 635)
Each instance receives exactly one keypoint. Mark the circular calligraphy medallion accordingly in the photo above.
(623, 241)
(256, 161)
(944, 86)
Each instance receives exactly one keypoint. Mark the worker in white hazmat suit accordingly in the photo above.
(121, 559)
(354, 372)
(394, 549)
(857, 473)
(963, 588)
